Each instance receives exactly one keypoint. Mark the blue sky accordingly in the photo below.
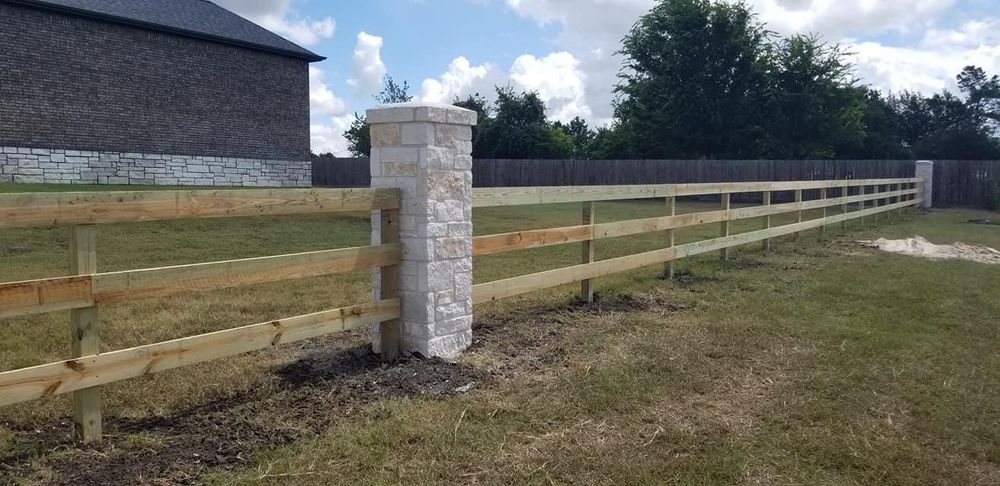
(564, 48)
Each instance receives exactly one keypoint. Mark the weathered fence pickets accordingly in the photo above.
(957, 182)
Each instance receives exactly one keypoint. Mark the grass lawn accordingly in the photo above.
(820, 363)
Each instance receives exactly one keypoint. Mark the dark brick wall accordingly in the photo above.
(74, 83)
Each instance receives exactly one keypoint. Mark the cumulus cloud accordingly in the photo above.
(279, 17)
(369, 69)
(591, 32)
(557, 77)
(932, 64)
(558, 80)
(460, 80)
(836, 18)
(329, 137)
(330, 116)
(322, 101)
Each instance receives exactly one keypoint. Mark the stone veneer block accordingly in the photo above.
(425, 150)
(58, 166)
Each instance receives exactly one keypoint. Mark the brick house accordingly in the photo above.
(178, 92)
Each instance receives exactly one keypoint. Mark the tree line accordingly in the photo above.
(707, 80)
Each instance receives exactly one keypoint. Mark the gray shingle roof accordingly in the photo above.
(195, 18)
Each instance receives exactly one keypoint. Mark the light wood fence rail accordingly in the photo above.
(885, 195)
(89, 367)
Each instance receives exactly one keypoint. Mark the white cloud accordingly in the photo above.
(591, 31)
(279, 17)
(558, 80)
(836, 18)
(329, 137)
(932, 64)
(369, 69)
(461, 79)
(330, 116)
(322, 101)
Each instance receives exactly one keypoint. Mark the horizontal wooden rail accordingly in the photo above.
(522, 240)
(89, 371)
(499, 289)
(43, 209)
(62, 293)
(515, 196)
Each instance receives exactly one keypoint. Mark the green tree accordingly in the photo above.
(581, 134)
(883, 139)
(947, 126)
(818, 112)
(612, 142)
(694, 81)
(358, 135)
(481, 106)
(519, 130)
(983, 97)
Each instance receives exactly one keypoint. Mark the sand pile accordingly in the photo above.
(920, 247)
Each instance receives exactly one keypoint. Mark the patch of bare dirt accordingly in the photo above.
(327, 384)
(333, 379)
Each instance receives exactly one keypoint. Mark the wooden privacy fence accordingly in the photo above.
(355, 172)
(966, 183)
(83, 293)
(874, 197)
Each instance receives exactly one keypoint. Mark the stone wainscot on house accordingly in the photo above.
(166, 92)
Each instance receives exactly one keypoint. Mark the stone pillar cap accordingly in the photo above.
(421, 112)
(925, 162)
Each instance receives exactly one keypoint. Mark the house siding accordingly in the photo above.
(69, 83)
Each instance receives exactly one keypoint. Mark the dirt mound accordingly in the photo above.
(920, 247)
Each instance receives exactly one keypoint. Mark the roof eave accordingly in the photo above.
(305, 55)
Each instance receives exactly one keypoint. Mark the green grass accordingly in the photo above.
(821, 363)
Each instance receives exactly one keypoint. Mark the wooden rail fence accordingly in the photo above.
(83, 293)
(87, 289)
(885, 195)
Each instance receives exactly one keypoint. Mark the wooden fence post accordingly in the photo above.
(389, 286)
(861, 205)
(668, 270)
(724, 229)
(877, 202)
(845, 192)
(798, 199)
(586, 286)
(822, 195)
(899, 199)
(85, 330)
(767, 221)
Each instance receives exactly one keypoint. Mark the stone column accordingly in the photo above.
(925, 171)
(425, 150)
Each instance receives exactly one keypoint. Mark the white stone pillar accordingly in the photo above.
(925, 171)
(425, 150)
